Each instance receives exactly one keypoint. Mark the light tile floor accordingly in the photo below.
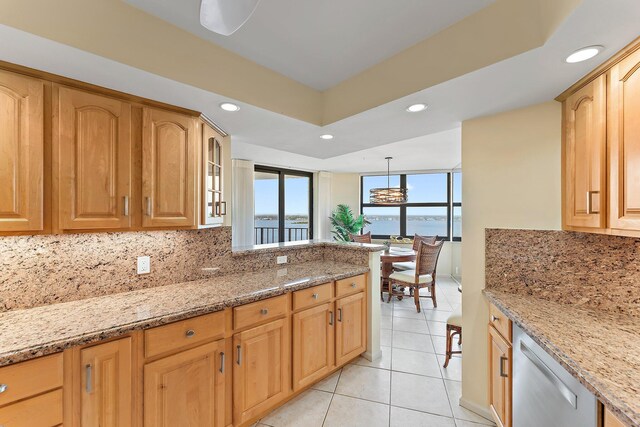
(407, 387)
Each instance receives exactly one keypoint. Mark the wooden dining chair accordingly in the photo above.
(454, 327)
(411, 265)
(424, 276)
(361, 238)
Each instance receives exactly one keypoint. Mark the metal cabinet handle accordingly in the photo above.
(3, 388)
(239, 359)
(564, 390)
(315, 296)
(331, 318)
(494, 318)
(264, 311)
(148, 200)
(339, 315)
(353, 285)
(589, 205)
(502, 372)
(125, 206)
(88, 385)
(222, 362)
(190, 333)
(224, 210)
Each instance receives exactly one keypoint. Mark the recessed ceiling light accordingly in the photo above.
(415, 108)
(326, 136)
(584, 54)
(228, 106)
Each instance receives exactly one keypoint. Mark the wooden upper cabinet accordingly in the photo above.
(21, 153)
(624, 143)
(351, 327)
(499, 378)
(213, 206)
(186, 389)
(585, 156)
(168, 169)
(106, 385)
(92, 160)
(261, 369)
(313, 344)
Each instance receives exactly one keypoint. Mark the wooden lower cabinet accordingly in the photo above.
(106, 384)
(44, 410)
(500, 362)
(186, 389)
(313, 344)
(611, 420)
(351, 327)
(261, 369)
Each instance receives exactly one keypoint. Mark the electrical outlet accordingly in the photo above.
(282, 259)
(144, 265)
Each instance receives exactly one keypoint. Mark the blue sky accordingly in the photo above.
(296, 195)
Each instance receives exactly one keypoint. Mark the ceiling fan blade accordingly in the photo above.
(226, 16)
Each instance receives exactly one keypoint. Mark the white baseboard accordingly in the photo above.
(372, 357)
(481, 410)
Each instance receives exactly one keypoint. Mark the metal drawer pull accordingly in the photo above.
(331, 318)
(339, 315)
(315, 296)
(353, 285)
(264, 311)
(88, 375)
(502, 372)
(589, 207)
(125, 206)
(190, 333)
(222, 363)
(494, 318)
(148, 199)
(239, 359)
(3, 388)
(551, 376)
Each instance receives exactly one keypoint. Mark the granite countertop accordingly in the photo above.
(279, 247)
(34, 332)
(600, 349)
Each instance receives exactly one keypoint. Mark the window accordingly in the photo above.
(456, 178)
(283, 205)
(428, 211)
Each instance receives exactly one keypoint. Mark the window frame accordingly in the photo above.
(403, 206)
(455, 205)
(282, 172)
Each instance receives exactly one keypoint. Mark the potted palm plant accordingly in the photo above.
(344, 223)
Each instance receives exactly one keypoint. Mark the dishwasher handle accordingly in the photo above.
(550, 375)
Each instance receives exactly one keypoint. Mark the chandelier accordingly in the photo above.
(388, 195)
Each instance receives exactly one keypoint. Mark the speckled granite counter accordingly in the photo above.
(602, 350)
(38, 331)
(301, 244)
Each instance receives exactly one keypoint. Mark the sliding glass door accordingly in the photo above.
(283, 205)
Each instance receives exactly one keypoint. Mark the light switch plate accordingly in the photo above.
(144, 265)
(282, 259)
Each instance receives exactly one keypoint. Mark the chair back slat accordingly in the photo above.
(361, 238)
(427, 258)
(427, 239)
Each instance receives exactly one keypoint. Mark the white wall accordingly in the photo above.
(345, 189)
(510, 179)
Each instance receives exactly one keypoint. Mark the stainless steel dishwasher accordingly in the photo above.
(544, 393)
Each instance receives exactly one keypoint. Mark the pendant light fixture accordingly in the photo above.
(389, 195)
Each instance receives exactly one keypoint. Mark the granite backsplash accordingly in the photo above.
(40, 270)
(591, 270)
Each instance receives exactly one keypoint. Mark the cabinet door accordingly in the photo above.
(313, 344)
(499, 378)
(168, 169)
(624, 143)
(21, 153)
(92, 160)
(585, 156)
(261, 373)
(186, 389)
(107, 377)
(213, 206)
(351, 324)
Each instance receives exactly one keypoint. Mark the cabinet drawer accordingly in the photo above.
(42, 411)
(312, 296)
(30, 378)
(260, 311)
(178, 335)
(350, 285)
(498, 320)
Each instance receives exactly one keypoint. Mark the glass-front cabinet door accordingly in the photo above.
(214, 207)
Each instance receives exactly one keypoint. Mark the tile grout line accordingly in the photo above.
(324, 420)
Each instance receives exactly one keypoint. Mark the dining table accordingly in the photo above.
(387, 258)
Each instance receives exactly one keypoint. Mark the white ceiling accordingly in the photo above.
(321, 43)
(533, 77)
